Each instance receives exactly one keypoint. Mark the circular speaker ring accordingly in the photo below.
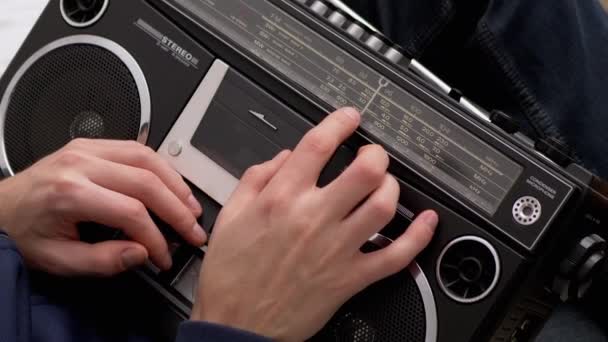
(429, 301)
(89, 122)
(468, 269)
(423, 285)
(87, 13)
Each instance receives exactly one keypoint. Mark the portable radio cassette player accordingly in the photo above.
(167, 73)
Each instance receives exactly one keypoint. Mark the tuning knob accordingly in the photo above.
(578, 270)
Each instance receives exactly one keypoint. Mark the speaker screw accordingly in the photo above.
(175, 148)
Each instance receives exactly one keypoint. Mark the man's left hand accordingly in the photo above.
(107, 182)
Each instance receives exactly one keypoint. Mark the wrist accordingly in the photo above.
(5, 205)
(221, 318)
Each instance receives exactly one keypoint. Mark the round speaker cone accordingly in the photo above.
(74, 91)
(390, 310)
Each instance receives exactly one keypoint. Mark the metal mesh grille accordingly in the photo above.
(389, 311)
(74, 91)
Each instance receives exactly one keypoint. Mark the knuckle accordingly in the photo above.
(70, 159)
(143, 154)
(135, 211)
(370, 172)
(372, 164)
(384, 207)
(78, 143)
(303, 226)
(319, 143)
(64, 184)
(63, 193)
(276, 203)
(148, 180)
(133, 144)
(186, 222)
(253, 173)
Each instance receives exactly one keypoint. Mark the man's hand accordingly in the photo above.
(285, 254)
(107, 182)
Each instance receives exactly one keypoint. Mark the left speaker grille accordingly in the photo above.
(74, 91)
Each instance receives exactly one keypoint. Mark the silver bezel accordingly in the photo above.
(482, 296)
(68, 20)
(119, 51)
(428, 300)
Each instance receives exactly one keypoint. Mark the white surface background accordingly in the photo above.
(16, 20)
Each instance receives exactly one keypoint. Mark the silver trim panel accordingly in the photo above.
(116, 49)
(71, 22)
(422, 71)
(490, 288)
(474, 109)
(191, 163)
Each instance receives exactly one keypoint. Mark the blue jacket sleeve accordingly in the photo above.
(14, 298)
(26, 317)
(207, 332)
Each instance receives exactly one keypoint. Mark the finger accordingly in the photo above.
(255, 180)
(361, 178)
(137, 155)
(93, 203)
(373, 214)
(104, 259)
(149, 189)
(398, 255)
(305, 164)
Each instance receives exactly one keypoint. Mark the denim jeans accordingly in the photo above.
(545, 62)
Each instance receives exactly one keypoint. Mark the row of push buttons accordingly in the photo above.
(375, 41)
(370, 38)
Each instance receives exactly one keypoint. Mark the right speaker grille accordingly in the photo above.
(389, 311)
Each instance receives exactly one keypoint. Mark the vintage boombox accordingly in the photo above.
(216, 86)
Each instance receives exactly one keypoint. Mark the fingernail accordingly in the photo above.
(430, 219)
(352, 112)
(199, 233)
(132, 258)
(194, 205)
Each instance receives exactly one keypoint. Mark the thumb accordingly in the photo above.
(103, 259)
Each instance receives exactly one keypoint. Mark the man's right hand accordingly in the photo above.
(285, 254)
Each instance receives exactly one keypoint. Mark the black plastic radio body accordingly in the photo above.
(232, 82)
